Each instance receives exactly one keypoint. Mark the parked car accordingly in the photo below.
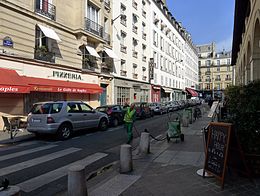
(115, 113)
(64, 117)
(143, 110)
(160, 108)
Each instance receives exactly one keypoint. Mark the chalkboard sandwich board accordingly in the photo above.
(217, 150)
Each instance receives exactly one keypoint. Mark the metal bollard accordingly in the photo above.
(144, 146)
(77, 181)
(185, 121)
(11, 191)
(126, 162)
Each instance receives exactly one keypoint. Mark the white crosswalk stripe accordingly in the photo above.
(25, 152)
(51, 176)
(36, 161)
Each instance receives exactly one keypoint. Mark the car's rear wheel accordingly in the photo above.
(115, 122)
(64, 132)
(103, 124)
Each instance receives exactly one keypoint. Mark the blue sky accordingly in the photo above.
(206, 20)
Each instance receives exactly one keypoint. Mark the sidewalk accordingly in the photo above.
(5, 137)
(171, 169)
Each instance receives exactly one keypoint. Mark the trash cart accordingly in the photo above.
(174, 131)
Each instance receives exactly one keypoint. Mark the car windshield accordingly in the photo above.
(102, 109)
(46, 108)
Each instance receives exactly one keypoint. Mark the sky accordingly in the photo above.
(207, 20)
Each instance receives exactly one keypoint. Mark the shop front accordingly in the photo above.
(166, 94)
(126, 91)
(191, 93)
(29, 83)
(156, 93)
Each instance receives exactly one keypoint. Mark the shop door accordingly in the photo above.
(103, 97)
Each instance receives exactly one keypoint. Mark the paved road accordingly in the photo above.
(40, 166)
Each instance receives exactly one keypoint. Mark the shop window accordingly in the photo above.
(123, 95)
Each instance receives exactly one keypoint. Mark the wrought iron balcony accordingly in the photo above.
(144, 58)
(96, 29)
(135, 29)
(218, 79)
(144, 36)
(44, 55)
(123, 21)
(123, 72)
(144, 78)
(90, 65)
(135, 4)
(135, 75)
(227, 79)
(207, 72)
(135, 53)
(144, 13)
(208, 80)
(45, 8)
(107, 3)
(123, 48)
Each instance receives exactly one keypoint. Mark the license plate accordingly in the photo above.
(36, 120)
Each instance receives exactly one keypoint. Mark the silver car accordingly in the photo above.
(64, 117)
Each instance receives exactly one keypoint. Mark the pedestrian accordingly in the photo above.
(129, 119)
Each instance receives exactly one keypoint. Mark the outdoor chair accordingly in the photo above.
(11, 126)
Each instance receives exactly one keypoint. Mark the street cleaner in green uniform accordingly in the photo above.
(129, 119)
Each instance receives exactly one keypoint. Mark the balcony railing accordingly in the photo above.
(207, 72)
(144, 13)
(96, 29)
(44, 55)
(45, 8)
(135, 4)
(144, 36)
(135, 75)
(156, 20)
(88, 65)
(135, 53)
(123, 72)
(208, 80)
(107, 3)
(135, 29)
(123, 48)
(218, 79)
(227, 79)
(144, 78)
(123, 21)
(144, 58)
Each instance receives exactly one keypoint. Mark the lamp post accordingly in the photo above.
(120, 15)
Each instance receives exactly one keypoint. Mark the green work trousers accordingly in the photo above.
(129, 129)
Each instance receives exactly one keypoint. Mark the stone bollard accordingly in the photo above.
(77, 181)
(185, 121)
(126, 162)
(144, 146)
(11, 191)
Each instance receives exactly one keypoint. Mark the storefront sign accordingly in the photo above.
(61, 89)
(14, 89)
(151, 68)
(8, 42)
(66, 75)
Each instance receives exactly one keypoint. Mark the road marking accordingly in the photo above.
(17, 154)
(28, 143)
(36, 161)
(5, 148)
(116, 185)
(49, 177)
(114, 129)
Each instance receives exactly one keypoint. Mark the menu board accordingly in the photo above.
(213, 109)
(217, 149)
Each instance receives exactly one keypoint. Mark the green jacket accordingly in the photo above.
(130, 115)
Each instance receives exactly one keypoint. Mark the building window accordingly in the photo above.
(155, 78)
(199, 63)
(144, 95)
(155, 38)
(228, 61)
(155, 59)
(208, 62)
(93, 14)
(45, 8)
(166, 81)
(123, 95)
(162, 80)
(228, 68)
(122, 9)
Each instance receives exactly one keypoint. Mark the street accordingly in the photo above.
(40, 166)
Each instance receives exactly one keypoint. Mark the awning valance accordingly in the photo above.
(92, 51)
(47, 85)
(192, 92)
(11, 82)
(50, 33)
(111, 53)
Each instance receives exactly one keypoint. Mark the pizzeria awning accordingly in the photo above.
(92, 51)
(11, 82)
(111, 53)
(47, 85)
(192, 92)
(50, 33)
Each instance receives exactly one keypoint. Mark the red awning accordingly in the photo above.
(47, 85)
(192, 92)
(11, 82)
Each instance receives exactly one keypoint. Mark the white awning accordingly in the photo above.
(167, 90)
(50, 33)
(92, 51)
(111, 53)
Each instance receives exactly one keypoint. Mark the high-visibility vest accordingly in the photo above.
(129, 115)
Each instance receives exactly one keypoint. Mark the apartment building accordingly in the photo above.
(215, 70)
(131, 44)
(174, 56)
(54, 50)
(246, 34)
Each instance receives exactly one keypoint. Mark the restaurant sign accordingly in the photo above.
(66, 75)
(60, 89)
(13, 89)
